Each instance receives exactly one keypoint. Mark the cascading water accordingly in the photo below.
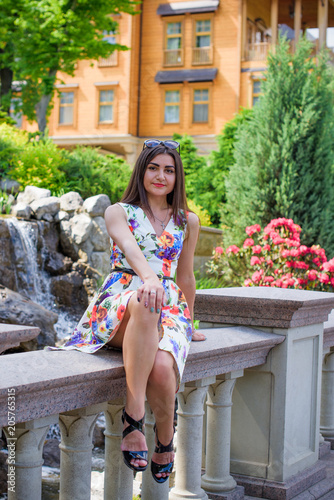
(32, 280)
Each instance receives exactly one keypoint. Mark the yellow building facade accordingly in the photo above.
(190, 66)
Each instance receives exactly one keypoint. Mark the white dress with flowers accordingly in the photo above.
(101, 320)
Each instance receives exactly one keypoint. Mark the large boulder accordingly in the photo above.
(32, 193)
(9, 186)
(7, 267)
(96, 205)
(44, 207)
(70, 202)
(69, 292)
(57, 264)
(21, 210)
(100, 237)
(18, 310)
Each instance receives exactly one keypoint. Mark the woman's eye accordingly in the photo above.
(170, 171)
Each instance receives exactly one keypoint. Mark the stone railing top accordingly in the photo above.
(329, 331)
(50, 382)
(263, 306)
(13, 335)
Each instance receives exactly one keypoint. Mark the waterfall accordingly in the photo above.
(32, 280)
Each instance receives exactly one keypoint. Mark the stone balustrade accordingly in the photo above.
(267, 370)
(14, 335)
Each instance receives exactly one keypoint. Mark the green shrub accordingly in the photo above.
(90, 173)
(11, 143)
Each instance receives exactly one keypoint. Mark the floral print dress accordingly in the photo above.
(101, 320)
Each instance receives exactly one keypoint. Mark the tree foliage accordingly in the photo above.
(42, 37)
(284, 155)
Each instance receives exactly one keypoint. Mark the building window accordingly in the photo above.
(172, 106)
(106, 106)
(173, 54)
(14, 114)
(112, 60)
(202, 49)
(201, 106)
(66, 108)
(256, 91)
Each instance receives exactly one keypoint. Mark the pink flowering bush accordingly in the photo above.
(273, 257)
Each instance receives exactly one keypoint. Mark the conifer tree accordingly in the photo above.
(284, 154)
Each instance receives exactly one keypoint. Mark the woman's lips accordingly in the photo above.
(158, 185)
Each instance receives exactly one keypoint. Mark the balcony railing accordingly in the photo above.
(257, 51)
(112, 60)
(202, 55)
(271, 363)
(173, 57)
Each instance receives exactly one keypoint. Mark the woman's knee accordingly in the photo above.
(163, 372)
(142, 315)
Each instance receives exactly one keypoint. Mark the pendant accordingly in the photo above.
(163, 226)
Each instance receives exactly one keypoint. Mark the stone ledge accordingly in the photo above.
(263, 306)
(13, 335)
(51, 382)
(329, 331)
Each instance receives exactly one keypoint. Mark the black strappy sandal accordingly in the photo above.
(134, 425)
(160, 468)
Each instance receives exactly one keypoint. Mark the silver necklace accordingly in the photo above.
(162, 222)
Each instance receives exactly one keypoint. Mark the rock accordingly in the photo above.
(101, 262)
(69, 291)
(100, 237)
(70, 202)
(7, 267)
(10, 186)
(98, 437)
(32, 193)
(47, 217)
(18, 310)
(61, 215)
(21, 210)
(51, 453)
(3, 472)
(57, 264)
(96, 205)
(44, 206)
(67, 245)
(81, 228)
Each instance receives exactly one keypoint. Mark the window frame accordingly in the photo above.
(202, 17)
(255, 78)
(201, 86)
(171, 87)
(170, 20)
(114, 88)
(66, 89)
(112, 60)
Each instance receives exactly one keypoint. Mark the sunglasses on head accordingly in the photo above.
(153, 143)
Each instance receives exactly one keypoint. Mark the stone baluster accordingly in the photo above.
(118, 478)
(25, 450)
(151, 490)
(217, 478)
(189, 440)
(327, 398)
(76, 446)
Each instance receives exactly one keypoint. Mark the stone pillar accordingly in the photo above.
(118, 478)
(322, 21)
(76, 446)
(189, 440)
(25, 450)
(150, 489)
(327, 398)
(217, 478)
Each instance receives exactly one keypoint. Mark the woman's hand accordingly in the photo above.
(198, 336)
(152, 294)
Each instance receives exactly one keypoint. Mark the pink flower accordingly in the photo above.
(254, 261)
(302, 281)
(269, 262)
(316, 261)
(257, 249)
(257, 276)
(249, 242)
(250, 230)
(294, 252)
(248, 282)
(289, 263)
(285, 253)
(328, 266)
(219, 250)
(301, 265)
(303, 250)
(268, 279)
(278, 283)
(332, 282)
(323, 278)
(266, 247)
(232, 248)
(312, 275)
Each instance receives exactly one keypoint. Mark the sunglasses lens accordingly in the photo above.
(172, 144)
(151, 143)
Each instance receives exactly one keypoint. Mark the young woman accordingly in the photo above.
(145, 305)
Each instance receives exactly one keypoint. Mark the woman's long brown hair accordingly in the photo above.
(135, 193)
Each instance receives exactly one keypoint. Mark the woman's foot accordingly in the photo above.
(134, 440)
(198, 336)
(162, 459)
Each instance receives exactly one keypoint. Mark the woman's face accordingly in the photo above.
(159, 178)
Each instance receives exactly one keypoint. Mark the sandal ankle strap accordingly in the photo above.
(134, 425)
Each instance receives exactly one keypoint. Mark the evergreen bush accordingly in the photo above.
(284, 155)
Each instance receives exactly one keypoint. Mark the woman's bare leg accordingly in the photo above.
(138, 336)
(161, 398)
